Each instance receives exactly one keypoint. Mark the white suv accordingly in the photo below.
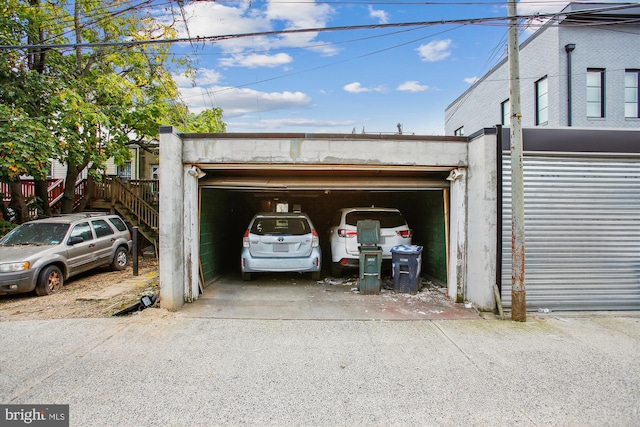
(343, 234)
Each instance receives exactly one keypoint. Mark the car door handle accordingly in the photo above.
(92, 245)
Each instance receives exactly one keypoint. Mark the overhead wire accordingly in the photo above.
(502, 20)
(417, 25)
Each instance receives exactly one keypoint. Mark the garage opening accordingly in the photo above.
(229, 197)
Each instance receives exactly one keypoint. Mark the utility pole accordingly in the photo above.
(518, 292)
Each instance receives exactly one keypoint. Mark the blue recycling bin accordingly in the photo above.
(406, 261)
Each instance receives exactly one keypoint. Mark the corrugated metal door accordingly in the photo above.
(582, 232)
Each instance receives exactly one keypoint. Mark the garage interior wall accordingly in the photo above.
(224, 215)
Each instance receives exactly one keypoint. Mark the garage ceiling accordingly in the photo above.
(323, 177)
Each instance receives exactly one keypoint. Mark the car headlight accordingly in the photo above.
(10, 267)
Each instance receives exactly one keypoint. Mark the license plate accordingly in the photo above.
(280, 247)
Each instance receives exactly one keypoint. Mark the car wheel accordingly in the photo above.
(50, 281)
(336, 269)
(315, 275)
(120, 259)
(246, 276)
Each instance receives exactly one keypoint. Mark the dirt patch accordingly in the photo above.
(98, 293)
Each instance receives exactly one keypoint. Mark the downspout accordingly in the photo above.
(569, 48)
(499, 207)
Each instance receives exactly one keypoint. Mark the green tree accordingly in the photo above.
(26, 142)
(208, 121)
(92, 101)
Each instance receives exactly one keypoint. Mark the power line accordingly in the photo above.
(199, 39)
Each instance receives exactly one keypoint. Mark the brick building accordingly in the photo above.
(580, 69)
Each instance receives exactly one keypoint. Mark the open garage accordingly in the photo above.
(212, 184)
(229, 198)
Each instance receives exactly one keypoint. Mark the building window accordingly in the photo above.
(459, 131)
(595, 92)
(505, 111)
(542, 101)
(632, 93)
(124, 171)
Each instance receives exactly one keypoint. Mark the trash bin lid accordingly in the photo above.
(406, 249)
(368, 231)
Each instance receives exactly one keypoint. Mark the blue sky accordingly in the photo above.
(367, 80)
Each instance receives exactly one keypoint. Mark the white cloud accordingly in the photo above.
(434, 51)
(280, 124)
(412, 86)
(471, 80)
(203, 77)
(380, 15)
(237, 102)
(356, 87)
(297, 14)
(255, 60)
(206, 19)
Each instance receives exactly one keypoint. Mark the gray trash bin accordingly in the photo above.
(370, 260)
(406, 265)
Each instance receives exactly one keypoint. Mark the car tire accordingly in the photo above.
(336, 269)
(246, 276)
(315, 275)
(120, 259)
(50, 281)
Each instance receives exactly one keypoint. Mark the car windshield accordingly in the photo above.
(294, 226)
(388, 219)
(40, 233)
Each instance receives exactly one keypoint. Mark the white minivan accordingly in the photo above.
(343, 234)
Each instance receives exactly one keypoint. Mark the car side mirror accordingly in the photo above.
(75, 240)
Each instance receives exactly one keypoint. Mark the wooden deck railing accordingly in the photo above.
(138, 197)
(55, 188)
(133, 198)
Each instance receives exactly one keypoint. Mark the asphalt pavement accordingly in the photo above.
(166, 369)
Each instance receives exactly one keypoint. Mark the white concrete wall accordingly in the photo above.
(172, 229)
(326, 151)
(482, 221)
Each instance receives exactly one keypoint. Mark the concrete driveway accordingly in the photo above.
(296, 296)
(163, 369)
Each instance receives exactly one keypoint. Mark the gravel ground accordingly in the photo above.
(72, 300)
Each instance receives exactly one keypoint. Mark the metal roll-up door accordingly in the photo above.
(582, 232)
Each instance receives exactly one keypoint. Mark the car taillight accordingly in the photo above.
(405, 233)
(315, 240)
(245, 239)
(346, 233)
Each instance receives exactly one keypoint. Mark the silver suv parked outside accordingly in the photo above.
(42, 254)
